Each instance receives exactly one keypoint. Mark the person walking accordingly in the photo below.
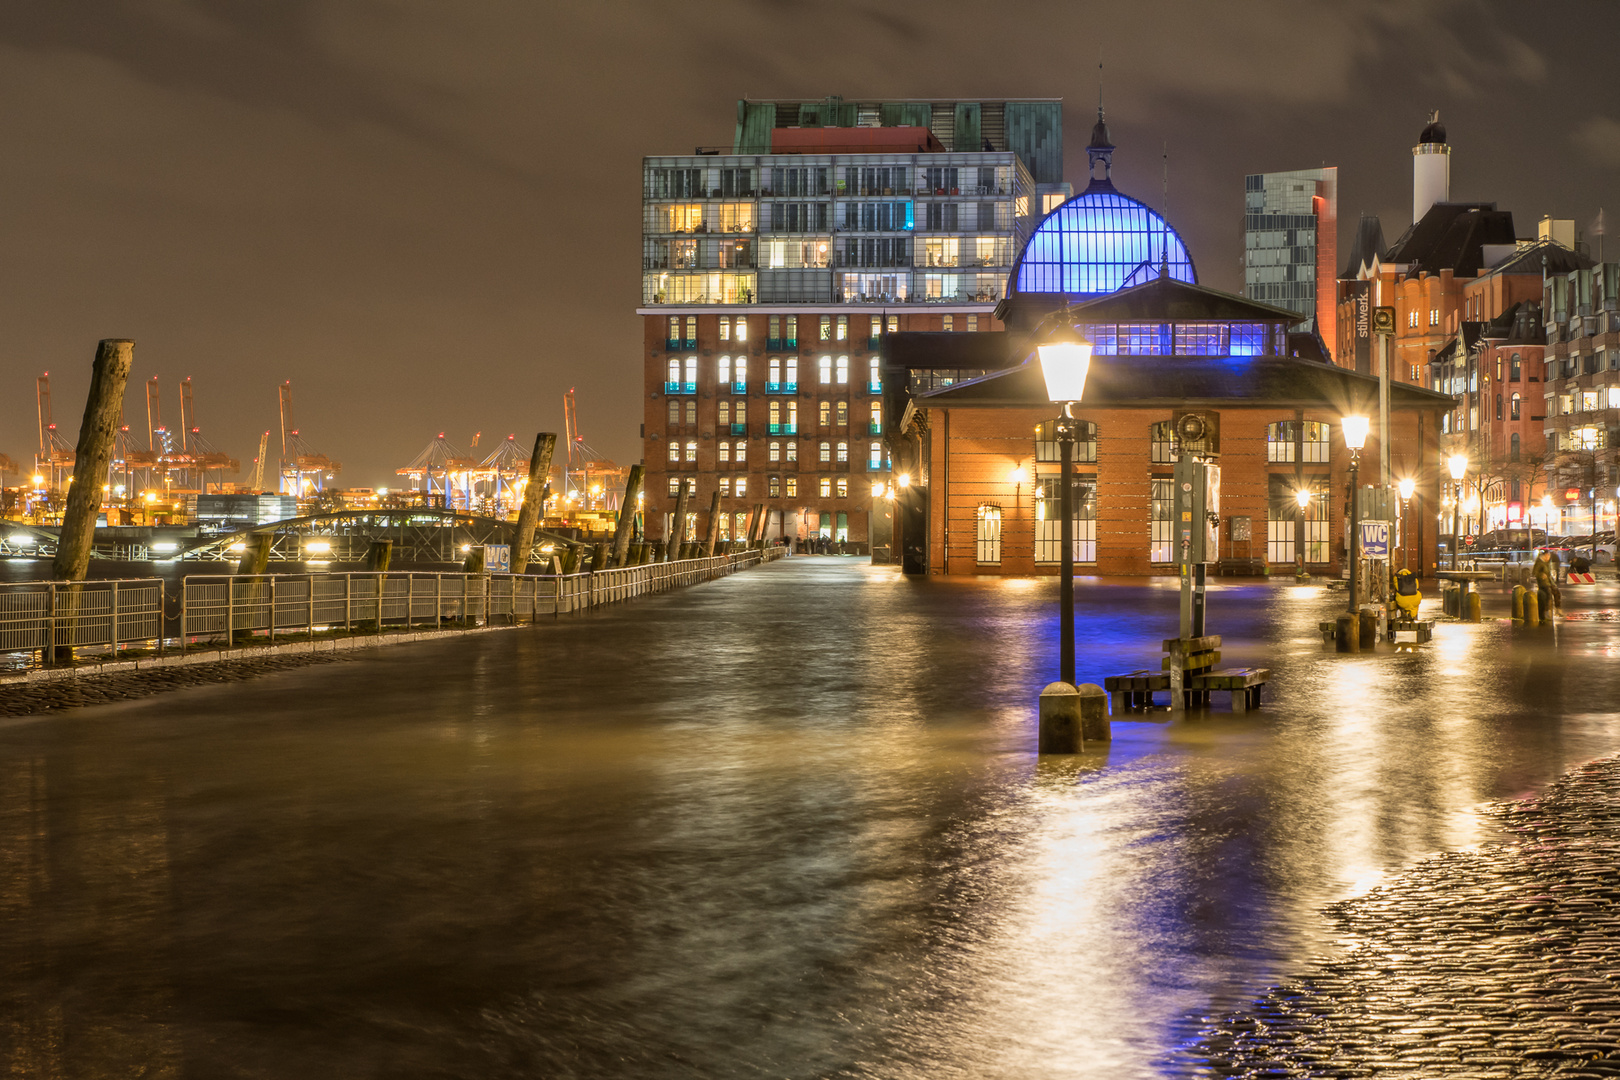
(1548, 599)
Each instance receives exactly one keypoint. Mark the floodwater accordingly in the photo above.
(788, 824)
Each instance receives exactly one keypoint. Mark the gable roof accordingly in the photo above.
(1528, 259)
(1178, 380)
(1452, 236)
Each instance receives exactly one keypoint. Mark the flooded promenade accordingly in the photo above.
(785, 824)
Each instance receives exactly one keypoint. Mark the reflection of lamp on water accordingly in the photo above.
(1406, 486)
(1065, 363)
(1355, 437)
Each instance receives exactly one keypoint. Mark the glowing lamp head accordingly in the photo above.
(877, 490)
(1303, 497)
(1065, 362)
(38, 480)
(904, 479)
(1458, 464)
(1355, 431)
(1018, 475)
(1407, 486)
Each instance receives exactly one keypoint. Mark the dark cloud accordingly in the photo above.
(427, 216)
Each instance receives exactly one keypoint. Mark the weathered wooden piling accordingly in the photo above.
(627, 515)
(1347, 633)
(677, 524)
(599, 557)
(102, 409)
(255, 558)
(756, 530)
(534, 494)
(714, 525)
(378, 555)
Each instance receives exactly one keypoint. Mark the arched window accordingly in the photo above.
(690, 386)
(776, 450)
(1513, 449)
(874, 458)
(674, 451)
(843, 451)
(691, 412)
(1513, 407)
(674, 378)
(739, 413)
(824, 369)
(1513, 367)
(773, 376)
(841, 414)
(776, 417)
(674, 412)
(988, 535)
(843, 369)
(790, 374)
(724, 366)
(740, 374)
(725, 413)
(691, 450)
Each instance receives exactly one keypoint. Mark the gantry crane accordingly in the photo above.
(258, 463)
(582, 462)
(302, 469)
(53, 463)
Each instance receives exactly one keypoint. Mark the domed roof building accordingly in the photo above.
(1100, 241)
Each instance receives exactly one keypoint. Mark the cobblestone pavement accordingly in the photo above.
(27, 699)
(1496, 962)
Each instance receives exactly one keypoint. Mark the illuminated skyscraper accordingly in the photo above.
(1290, 243)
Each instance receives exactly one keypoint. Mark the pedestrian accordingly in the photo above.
(1548, 600)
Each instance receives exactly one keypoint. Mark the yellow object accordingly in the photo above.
(1407, 594)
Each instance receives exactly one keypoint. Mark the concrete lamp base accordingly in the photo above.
(1070, 715)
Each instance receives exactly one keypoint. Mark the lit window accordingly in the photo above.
(674, 372)
(843, 487)
(790, 373)
(875, 379)
(740, 375)
(877, 418)
(950, 323)
(740, 452)
(742, 328)
(774, 333)
(792, 338)
(674, 412)
(776, 413)
(875, 455)
(826, 451)
(843, 371)
(674, 486)
(792, 451)
(843, 451)
(1434, 316)
(1515, 402)
(973, 323)
(842, 414)
(725, 328)
(826, 487)
(724, 411)
(674, 329)
(691, 450)
(691, 331)
(674, 451)
(776, 451)
(739, 413)
(741, 486)
(877, 326)
(792, 487)
(843, 328)
(725, 487)
(691, 373)
(894, 324)
(1097, 243)
(773, 374)
(826, 328)
(724, 451)
(725, 369)
(826, 413)
(776, 487)
(691, 412)
(824, 367)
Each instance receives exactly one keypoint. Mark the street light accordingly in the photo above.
(1355, 437)
(1065, 362)
(1406, 486)
(1458, 464)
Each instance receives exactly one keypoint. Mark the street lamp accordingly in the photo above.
(1458, 464)
(1303, 498)
(1355, 437)
(1406, 486)
(1065, 362)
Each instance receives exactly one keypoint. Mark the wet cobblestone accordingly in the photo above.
(1497, 962)
(28, 699)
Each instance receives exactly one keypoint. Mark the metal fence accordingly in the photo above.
(101, 618)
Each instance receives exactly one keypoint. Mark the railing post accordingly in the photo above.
(272, 610)
(115, 620)
(162, 612)
(438, 599)
(348, 603)
(230, 610)
(49, 653)
(309, 580)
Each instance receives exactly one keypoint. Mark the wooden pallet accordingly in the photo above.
(1135, 689)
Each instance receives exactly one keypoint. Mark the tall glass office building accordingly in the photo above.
(1290, 243)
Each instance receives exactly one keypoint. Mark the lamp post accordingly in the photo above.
(1355, 437)
(1458, 464)
(1406, 486)
(1065, 362)
(1303, 498)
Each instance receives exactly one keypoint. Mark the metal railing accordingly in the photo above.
(102, 619)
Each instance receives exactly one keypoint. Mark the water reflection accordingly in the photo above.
(786, 824)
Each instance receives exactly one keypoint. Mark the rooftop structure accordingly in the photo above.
(1290, 243)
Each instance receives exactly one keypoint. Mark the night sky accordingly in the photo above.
(427, 216)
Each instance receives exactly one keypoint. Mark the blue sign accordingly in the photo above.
(497, 558)
(1375, 539)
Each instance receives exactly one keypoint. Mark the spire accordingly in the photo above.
(1101, 147)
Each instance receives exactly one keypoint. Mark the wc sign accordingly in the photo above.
(1375, 539)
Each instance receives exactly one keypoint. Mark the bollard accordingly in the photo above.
(1347, 633)
(1369, 628)
(1473, 606)
(599, 557)
(1060, 719)
(1093, 714)
(1532, 607)
(1518, 603)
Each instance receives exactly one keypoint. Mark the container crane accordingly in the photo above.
(258, 463)
(53, 462)
(301, 467)
(582, 462)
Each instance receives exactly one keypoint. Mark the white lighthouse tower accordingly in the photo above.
(1431, 168)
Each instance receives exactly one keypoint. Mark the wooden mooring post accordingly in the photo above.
(677, 524)
(628, 508)
(534, 494)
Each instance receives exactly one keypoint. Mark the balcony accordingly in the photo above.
(783, 429)
(680, 388)
(781, 388)
(878, 466)
(874, 387)
(739, 387)
(875, 428)
(872, 342)
(739, 429)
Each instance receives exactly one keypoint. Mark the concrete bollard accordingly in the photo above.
(1532, 607)
(1473, 606)
(1518, 603)
(1093, 714)
(1060, 719)
(1369, 628)
(1347, 633)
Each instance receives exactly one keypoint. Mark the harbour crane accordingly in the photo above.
(258, 463)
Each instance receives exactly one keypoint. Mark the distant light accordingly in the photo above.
(238, 546)
(382, 491)
(318, 547)
(151, 496)
(38, 479)
(466, 548)
(905, 479)
(21, 538)
(165, 546)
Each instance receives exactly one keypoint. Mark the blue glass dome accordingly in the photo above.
(1099, 242)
